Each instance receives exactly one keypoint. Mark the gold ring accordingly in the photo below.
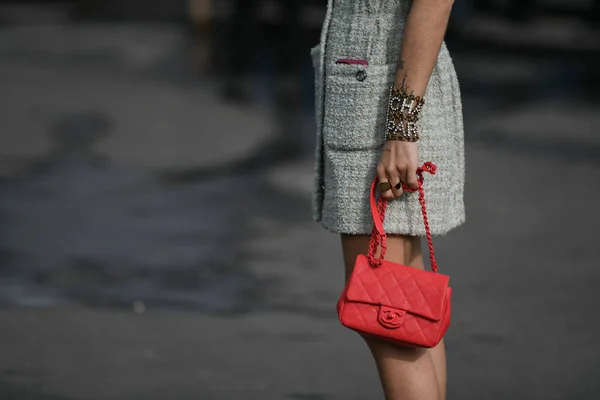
(384, 186)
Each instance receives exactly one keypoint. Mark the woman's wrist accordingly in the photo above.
(409, 83)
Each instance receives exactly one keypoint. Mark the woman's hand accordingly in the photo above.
(398, 165)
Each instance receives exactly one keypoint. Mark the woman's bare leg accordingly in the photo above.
(406, 373)
(438, 355)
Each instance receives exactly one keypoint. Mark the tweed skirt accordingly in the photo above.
(350, 107)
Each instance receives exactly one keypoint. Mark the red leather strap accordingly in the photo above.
(378, 207)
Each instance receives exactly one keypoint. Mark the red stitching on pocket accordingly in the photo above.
(351, 61)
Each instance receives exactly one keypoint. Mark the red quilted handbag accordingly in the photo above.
(395, 302)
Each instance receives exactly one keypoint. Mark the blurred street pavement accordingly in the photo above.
(143, 257)
(131, 95)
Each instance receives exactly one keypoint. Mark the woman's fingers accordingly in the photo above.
(397, 168)
(385, 182)
(397, 183)
(409, 177)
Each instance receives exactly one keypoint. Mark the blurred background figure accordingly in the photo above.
(200, 23)
(156, 240)
(594, 14)
(270, 39)
(243, 47)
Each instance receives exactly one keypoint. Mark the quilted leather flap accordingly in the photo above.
(393, 285)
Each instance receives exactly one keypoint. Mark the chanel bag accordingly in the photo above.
(394, 302)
